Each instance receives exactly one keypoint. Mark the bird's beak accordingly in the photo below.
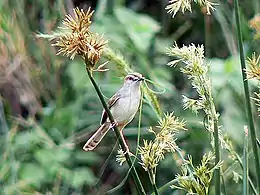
(141, 79)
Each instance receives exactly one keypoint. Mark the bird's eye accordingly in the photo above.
(130, 78)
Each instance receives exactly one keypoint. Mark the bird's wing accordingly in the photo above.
(110, 103)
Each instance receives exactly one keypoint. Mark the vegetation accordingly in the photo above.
(196, 130)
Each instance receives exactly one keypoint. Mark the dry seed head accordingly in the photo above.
(80, 23)
(77, 39)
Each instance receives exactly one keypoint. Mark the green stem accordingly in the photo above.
(217, 159)
(167, 185)
(223, 185)
(134, 174)
(214, 118)
(110, 6)
(152, 180)
(245, 165)
(246, 91)
(249, 179)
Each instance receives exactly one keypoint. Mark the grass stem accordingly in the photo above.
(152, 181)
(247, 98)
(245, 164)
(217, 159)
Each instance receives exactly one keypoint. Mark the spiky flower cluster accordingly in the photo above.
(253, 72)
(175, 5)
(196, 180)
(257, 101)
(196, 70)
(75, 37)
(254, 67)
(120, 157)
(153, 151)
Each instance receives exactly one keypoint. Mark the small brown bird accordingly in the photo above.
(123, 105)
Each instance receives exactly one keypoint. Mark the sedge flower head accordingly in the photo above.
(120, 157)
(75, 37)
(253, 70)
(175, 5)
(154, 151)
(197, 179)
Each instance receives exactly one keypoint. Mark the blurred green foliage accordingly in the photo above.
(45, 155)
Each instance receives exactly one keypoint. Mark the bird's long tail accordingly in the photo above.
(97, 137)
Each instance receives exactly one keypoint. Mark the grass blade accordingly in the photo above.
(247, 98)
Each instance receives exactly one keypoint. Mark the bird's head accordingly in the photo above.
(134, 79)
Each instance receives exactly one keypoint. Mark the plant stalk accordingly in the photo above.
(110, 6)
(249, 179)
(214, 118)
(167, 185)
(247, 98)
(134, 174)
(152, 181)
(223, 184)
(217, 159)
(245, 164)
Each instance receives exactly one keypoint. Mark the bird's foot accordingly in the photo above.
(114, 124)
(127, 151)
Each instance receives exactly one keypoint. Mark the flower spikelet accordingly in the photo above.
(175, 5)
(197, 179)
(196, 70)
(253, 71)
(254, 67)
(80, 23)
(75, 38)
(153, 151)
(194, 66)
(120, 157)
(257, 101)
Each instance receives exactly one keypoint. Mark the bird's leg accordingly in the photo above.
(125, 144)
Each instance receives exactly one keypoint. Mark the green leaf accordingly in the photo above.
(89, 157)
(32, 173)
(82, 176)
(77, 72)
(49, 156)
(26, 139)
(140, 28)
(114, 32)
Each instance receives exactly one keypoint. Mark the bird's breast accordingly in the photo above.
(126, 107)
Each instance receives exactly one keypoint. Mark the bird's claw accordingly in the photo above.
(128, 152)
(114, 124)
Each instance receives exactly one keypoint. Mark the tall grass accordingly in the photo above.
(247, 95)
